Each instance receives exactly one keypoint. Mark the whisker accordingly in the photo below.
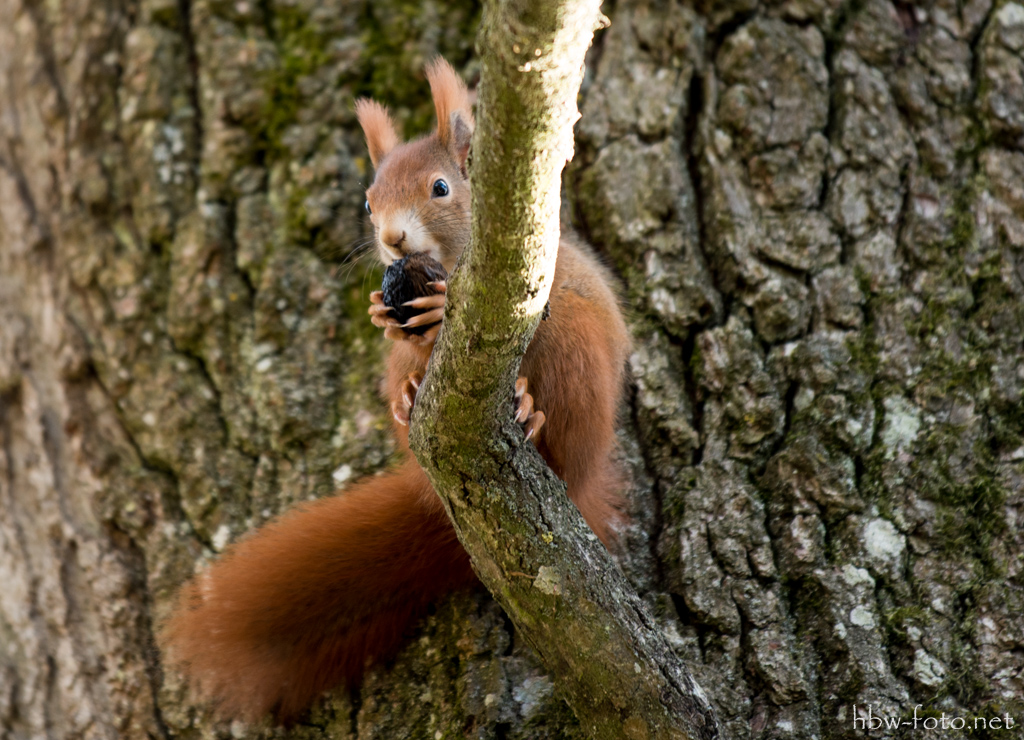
(322, 259)
(362, 254)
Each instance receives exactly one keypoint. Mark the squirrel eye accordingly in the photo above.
(440, 189)
(367, 204)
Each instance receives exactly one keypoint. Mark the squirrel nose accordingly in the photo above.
(395, 243)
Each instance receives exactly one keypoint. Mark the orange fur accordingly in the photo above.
(297, 607)
(450, 96)
(575, 366)
(376, 122)
(305, 602)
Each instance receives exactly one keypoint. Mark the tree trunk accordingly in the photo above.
(817, 212)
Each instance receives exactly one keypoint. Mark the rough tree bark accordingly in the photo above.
(816, 208)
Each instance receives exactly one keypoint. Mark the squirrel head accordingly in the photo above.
(419, 200)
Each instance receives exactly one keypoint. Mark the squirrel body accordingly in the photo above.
(307, 601)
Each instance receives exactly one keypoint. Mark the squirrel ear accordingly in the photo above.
(381, 137)
(461, 137)
(451, 101)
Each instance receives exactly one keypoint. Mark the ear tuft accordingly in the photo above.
(454, 115)
(378, 127)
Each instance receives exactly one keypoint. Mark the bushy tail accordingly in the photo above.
(302, 604)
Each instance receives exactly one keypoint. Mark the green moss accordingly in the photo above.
(960, 332)
(964, 683)
(815, 623)
(303, 51)
(359, 332)
(970, 501)
(365, 361)
(897, 623)
(401, 37)
(963, 212)
(957, 350)
(1008, 427)
(295, 217)
(674, 503)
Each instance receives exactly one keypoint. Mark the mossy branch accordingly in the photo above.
(509, 510)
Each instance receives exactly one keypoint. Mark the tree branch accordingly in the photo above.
(509, 510)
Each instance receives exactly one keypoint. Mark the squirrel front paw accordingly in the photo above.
(401, 407)
(381, 315)
(531, 419)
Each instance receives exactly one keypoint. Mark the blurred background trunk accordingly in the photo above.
(817, 211)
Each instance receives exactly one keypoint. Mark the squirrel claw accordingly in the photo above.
(385, 321)
(525, 408)
(427, 317)
(427, 301)
(380, 315)
(401, 408)
(531, 419)
(534, 423)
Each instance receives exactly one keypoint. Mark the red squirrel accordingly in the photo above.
(309, 600)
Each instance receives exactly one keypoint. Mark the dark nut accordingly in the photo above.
(408, 278)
